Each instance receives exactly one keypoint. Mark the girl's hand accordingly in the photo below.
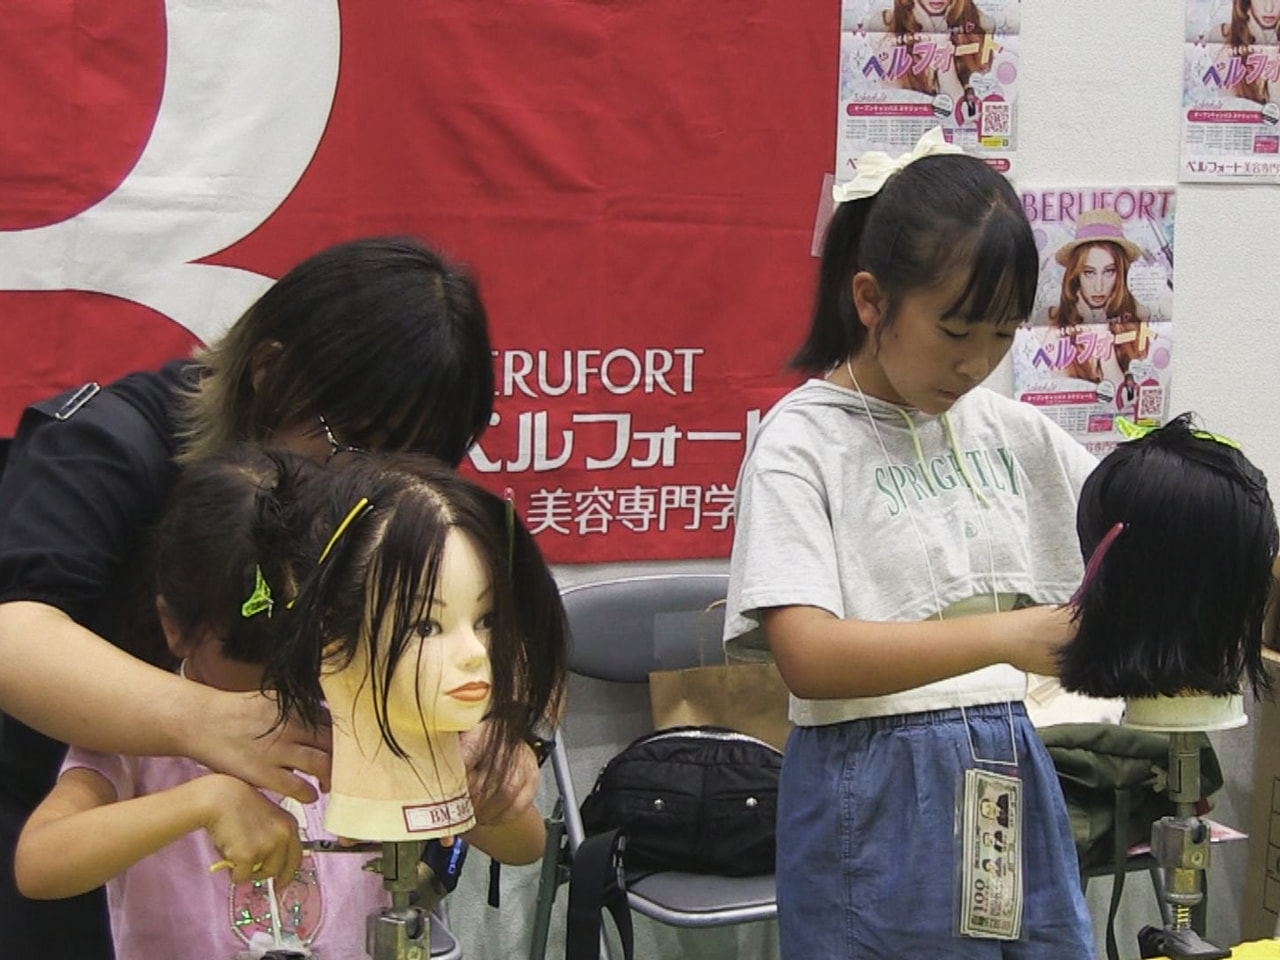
(232, 733)
(256, 838)
(1048, 630)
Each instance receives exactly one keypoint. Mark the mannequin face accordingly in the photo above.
(446, 663)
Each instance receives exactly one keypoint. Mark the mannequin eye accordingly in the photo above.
(485, 623)
(427, 628)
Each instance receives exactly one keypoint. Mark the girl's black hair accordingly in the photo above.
(1178, 601)
(938, 215)
(210, 543)
(382, 571)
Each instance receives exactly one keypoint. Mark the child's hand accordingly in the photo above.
(256, 838)
(1048, 630)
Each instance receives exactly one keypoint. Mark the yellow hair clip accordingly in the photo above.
(354, 514)
(510, 497)
(362, 507)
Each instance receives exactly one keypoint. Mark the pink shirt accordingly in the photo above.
(170, 905)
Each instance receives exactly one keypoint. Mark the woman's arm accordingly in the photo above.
(80, 837)
(821, 656)
(70, 684)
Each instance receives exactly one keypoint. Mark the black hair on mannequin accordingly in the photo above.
(1175, 601)
(383, 571)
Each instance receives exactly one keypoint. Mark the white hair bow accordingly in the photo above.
(874, 167)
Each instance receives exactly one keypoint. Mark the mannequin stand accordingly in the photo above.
(401, 931)
(1180, 844)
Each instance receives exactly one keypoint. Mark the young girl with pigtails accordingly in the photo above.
(201, 864)
(905, 544)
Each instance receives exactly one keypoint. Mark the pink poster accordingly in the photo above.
(1099, 344)
(909, 65)
(1231, 92)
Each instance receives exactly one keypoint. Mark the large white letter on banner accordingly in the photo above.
(247, 93)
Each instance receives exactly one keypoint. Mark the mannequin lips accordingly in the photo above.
(472, 692)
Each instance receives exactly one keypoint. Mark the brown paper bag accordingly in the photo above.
(748, 697)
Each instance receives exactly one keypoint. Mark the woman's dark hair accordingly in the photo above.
(938, 215)
(383, 337)
(1177, 601)
(378, 581)
(208, 545)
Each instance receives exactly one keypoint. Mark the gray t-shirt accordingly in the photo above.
(825, 519)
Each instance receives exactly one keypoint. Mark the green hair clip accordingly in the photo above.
(1134, 431)
(260, 599)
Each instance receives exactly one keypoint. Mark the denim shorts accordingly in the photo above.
(867, 840)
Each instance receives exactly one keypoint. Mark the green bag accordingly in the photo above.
(1094, 761)
(1115, 781)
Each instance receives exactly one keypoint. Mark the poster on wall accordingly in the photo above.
(1231, 92)
(1099, 343)
(909, 65)
(162, 163)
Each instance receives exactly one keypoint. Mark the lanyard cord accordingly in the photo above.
(933, 583)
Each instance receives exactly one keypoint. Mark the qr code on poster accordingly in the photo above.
(997, 119)
(1151, 403)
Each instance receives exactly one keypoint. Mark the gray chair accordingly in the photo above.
(622, 629)
(443, 944)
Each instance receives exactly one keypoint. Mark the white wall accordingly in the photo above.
(1100, 105)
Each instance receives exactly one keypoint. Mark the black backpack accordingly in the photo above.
(693, 799)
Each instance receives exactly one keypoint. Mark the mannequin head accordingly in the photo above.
(1179, 536)
(423, 607)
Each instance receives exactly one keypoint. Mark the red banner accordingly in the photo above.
(634, 184)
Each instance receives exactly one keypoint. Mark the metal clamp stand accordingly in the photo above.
(1180, 844)
(401, 931)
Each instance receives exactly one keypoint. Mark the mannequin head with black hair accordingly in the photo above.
(423, 608)
(1179, 536)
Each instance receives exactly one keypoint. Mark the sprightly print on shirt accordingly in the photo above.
(995, 469)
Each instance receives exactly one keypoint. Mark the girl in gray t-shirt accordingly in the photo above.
(904, 538)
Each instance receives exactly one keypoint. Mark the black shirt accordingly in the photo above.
(80, 490)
